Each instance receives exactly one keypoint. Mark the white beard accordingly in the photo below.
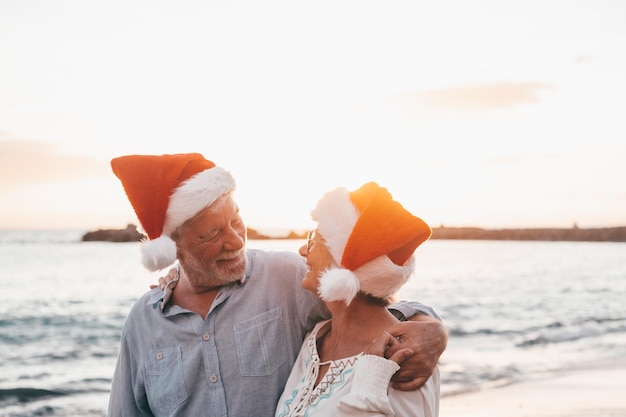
(212, 274)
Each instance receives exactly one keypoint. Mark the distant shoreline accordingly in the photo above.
(574, 234)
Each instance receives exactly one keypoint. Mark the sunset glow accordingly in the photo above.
(487, 113)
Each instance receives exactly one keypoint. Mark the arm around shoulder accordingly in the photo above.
(426, 336)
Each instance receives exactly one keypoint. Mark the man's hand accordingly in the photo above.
(169, 281)
(427, 338)
(382, 344)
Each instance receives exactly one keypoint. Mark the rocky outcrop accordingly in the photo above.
(130, 234)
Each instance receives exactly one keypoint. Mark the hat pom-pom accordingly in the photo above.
(158, 253)
(338, 284)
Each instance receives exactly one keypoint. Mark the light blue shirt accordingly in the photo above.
(235, 362)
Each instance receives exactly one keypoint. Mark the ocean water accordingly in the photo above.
(515, 311)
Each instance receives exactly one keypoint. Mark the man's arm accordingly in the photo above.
(423, 332)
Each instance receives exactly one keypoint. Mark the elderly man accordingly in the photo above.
(225, 341)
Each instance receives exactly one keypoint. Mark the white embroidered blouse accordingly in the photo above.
(354, 386)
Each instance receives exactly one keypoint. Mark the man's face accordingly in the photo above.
(211, 245)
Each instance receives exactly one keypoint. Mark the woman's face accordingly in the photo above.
(318, 259)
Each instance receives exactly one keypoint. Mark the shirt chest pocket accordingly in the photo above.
(165, 385)
(261, 343)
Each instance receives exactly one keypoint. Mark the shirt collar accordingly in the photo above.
(163, 296)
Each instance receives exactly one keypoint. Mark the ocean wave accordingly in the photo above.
(555, 331)
(459, 332)
(24, 395)
(536, 313)
(22, 237)
(460, 381)
(588, 329)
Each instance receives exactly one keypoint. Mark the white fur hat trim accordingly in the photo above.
(382, 278)
(158, 253)
(195, 194)
(338, 284)
(187, 200)
(336, 216)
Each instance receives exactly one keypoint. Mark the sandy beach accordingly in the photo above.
(586, 391)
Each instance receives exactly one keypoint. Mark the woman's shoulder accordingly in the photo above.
(318, 326)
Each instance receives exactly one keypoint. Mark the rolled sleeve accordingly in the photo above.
(405, 309)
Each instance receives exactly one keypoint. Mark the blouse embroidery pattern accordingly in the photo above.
(309, 395)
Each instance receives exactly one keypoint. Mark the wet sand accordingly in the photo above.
(597, 390)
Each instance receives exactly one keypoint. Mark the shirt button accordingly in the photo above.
(206, 336)
(213, 378)
(159, 356)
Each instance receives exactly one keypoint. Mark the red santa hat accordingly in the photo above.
(371, 237)
(165, 191)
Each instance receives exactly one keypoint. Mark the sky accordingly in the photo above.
(494, 114)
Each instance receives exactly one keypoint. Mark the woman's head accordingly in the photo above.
(370, 240)
(318, 259)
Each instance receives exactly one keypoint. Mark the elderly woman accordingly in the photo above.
(358, 257)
